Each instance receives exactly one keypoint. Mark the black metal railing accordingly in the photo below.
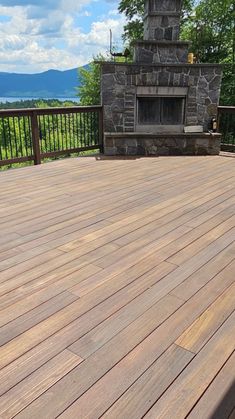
(35, 134)
(226, 125)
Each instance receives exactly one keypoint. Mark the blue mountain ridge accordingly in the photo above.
(51, 83)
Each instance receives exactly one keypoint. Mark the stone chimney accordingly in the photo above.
(161, 42)
(162, 20)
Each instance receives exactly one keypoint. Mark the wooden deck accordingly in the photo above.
(117, 289)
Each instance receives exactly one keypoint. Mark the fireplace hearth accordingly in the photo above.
(148, 104)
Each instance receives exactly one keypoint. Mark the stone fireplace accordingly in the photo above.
(160, 104)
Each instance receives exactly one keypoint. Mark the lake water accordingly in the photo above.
(16, 99)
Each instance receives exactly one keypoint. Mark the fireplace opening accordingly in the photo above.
(161, 111)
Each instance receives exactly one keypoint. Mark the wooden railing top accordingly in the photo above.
(48, 111)
(226, 109)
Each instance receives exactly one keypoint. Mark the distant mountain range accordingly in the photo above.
(51, 83)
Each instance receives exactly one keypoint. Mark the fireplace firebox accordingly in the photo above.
(163, 111)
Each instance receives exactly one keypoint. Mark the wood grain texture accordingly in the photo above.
(140, 397)
(219, 399)
(117, 288)
(33, 386)
(194, 380)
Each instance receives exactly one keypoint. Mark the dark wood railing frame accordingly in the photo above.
(33, 113)
(221, 111)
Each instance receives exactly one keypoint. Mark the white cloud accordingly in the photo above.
(38, 38)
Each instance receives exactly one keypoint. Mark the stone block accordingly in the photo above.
(215, 83)
(160, 151)
(144, 55)
(120, 78)
(194, 71)
(118, 118)
(209, 77)
(109, 142)
(121, 151)
(170, 142)
(182, 55)
(202, 142)
(176, 81)
(132, 151)
(108, 81)
(108, 97)
(117, 104)
(108, 68)
(219, 71)
(214, 96)
(191, 81)
(129, 104)
(133, 80)
(131, 142)
(141, 151)
(128, 129)
(110, 151)
(191, 120)
(168, 34)
(119, 91)
(203, 84)
(159, 34)
(202, 151)
(174, 151)
(165, 21)
(120, 142)
(192, 92)
(192, 109)
(202, 93)
(119, 128)
(189, 150)
(108, 120)
(207, 71)
(163, 78)
(181, 142)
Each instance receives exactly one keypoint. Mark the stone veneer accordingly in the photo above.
(160, 70)
(138, 144)
(162, 20)
(120, 83)
(150, 52)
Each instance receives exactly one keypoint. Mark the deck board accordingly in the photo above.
(117, 288)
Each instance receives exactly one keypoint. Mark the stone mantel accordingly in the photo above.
(182, 65)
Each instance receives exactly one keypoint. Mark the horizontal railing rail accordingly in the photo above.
(226, 125)
(35, 134)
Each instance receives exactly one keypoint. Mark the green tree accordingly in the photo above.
(213, 39)
(212, 34)
(89, 83)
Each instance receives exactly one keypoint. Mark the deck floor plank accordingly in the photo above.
(117, 290)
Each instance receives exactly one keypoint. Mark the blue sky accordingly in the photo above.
(36, 35)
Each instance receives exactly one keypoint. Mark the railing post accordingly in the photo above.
(218, 119)
(101, 130)
(35, 138)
